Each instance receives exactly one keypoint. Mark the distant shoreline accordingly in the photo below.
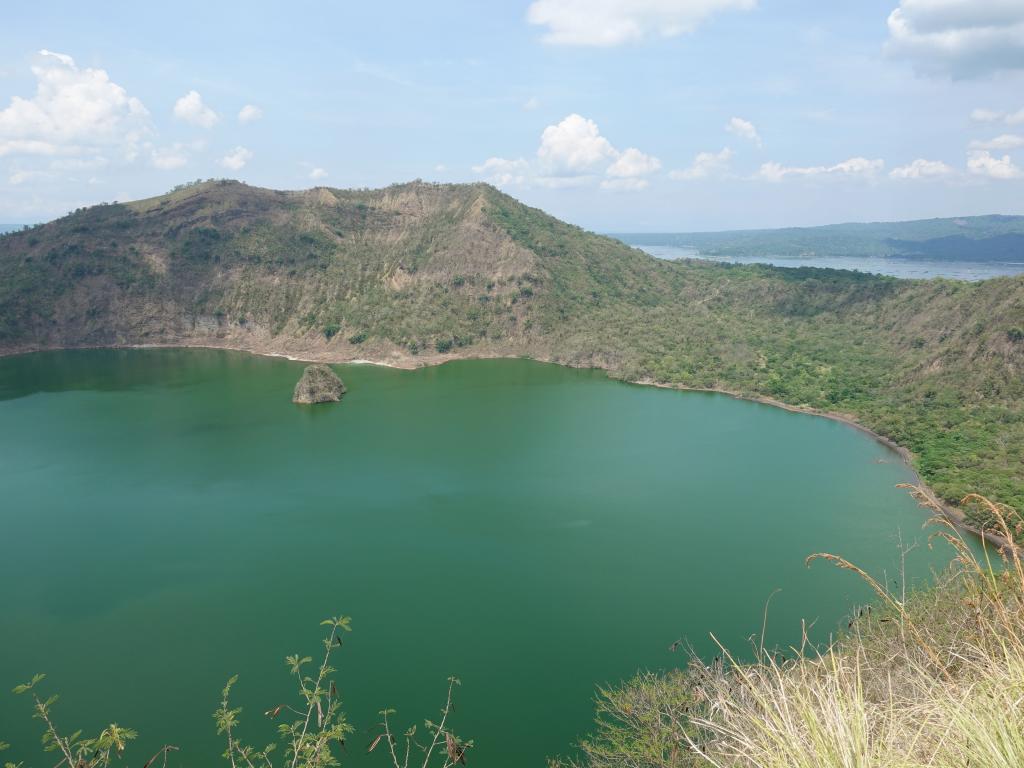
(407, 363)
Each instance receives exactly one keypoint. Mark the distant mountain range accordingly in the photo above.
(971, 238)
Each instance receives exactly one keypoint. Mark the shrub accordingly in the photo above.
(313, 732)
(932, 678)
(331, 330)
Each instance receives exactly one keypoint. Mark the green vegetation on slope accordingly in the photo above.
(429, 272)
(933, 678)
(971, 238)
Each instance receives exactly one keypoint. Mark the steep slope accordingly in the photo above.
(420, 273)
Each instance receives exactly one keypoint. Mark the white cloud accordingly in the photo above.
(615, 22)
(1006, 141)
(982, 163)
(440, 168)
(995, 116)
(628, 170)
(574, 147)
(632, 163)
(169, 158)
(921, 169)
(74, 112)
(191, 109)
(705, 165)
(531, 104)
(63, 58)
(317, 174)
(962, 38)
(744, 129)
(504, 173)
(573, 153)
(855, 167)
(249, 113)
(981, 115)
(236, 159)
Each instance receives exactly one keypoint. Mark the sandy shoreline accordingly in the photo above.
(951, 513)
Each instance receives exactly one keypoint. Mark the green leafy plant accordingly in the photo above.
(314, 733)
(76, 750)
(448, 749)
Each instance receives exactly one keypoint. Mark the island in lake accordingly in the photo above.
(319, 384)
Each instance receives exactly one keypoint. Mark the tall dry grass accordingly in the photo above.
(936, 679)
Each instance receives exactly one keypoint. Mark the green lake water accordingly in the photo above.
(169, 518)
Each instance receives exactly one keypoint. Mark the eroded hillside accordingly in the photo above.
(419, 273)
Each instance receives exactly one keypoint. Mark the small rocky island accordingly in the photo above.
(319, 384)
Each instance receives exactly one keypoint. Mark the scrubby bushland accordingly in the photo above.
(932, 679)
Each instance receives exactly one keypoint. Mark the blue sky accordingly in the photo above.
(618, 115)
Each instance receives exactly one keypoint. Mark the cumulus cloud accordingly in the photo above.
(191, 109)
(318, 173)
(574, 147)
(983, 163)
(615, 22)
(921, 169)
(1004, 142)
(504, 173)
(705, 165)
(962, 38)
(249, 113)
(629, 169)
(744, 129)
(854, 167)
(632, 163)
(74, 112)
(236, 159)
(573, 153)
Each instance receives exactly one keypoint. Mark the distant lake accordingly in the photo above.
(170, 518)
(906, 268)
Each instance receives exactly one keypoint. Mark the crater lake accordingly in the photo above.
(170, 519)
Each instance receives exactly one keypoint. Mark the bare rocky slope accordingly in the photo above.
(420, 273)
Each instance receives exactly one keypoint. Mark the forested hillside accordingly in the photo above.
(420, 273)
